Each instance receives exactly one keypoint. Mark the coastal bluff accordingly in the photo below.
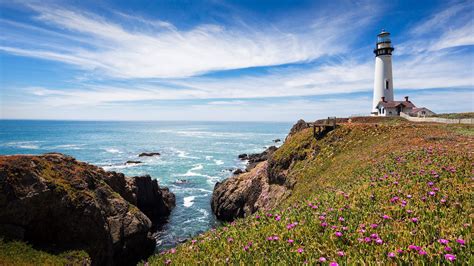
(264, 184)
(54, 201)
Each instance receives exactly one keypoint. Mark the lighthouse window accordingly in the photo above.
(386, 84)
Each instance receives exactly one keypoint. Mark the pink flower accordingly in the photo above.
(193, 241)
(324, 224)
(461, 241)
(443, 241)
(431, 193)
(409, 196)
(374, 225)
(413, 247)
(172, 251)
(333, 264)
(450, 257)
(386, 217)
(379, 241)
(168, 261)
(422, 252)
(314, 206)
(321, 217)
(230, 239)
(257, 216)
(415, 220)
(338, 234)
(290, 241)
(391, 255)
(367, 239)
(246, 248)
(448, 249)
(374, 236)
(278, 218)
(341, 219)
(340, 253)
(394, 199)
(322, 259)
(300, 250)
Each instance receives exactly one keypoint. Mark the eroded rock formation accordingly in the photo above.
(55, 201)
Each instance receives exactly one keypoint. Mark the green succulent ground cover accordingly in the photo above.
(365, 194)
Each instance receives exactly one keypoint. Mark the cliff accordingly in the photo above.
(57, 203)
(372, 191)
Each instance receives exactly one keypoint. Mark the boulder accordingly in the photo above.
(148, 154)
(56, 202)
(254, 159)
(238, 172)
(244, 194)
(276, 140)
(300, 125)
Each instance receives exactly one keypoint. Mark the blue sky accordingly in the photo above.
(228, 60)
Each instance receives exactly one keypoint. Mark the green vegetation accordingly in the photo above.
(456, 115)
(19, 253)
(391, 193)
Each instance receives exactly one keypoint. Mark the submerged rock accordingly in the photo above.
(148, 154)
(56, 202)
(133, 162)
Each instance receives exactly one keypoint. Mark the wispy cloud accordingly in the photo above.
(163, 51)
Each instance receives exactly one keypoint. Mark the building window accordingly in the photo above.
(386, 84)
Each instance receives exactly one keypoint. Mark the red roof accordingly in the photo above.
(393, 104)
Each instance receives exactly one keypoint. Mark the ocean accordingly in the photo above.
(194, 156)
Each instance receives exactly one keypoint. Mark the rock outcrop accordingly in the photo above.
(255, 158)
(54, 201)
(266, 182)
(148, 154)
(242, 195)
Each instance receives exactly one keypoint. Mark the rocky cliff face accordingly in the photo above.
(242, 195)
(265, 183)
(55, 202)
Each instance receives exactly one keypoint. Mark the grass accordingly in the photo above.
(20, 253)
(391, 193)
(456, 115)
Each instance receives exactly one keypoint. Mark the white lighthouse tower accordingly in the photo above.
(383, 82)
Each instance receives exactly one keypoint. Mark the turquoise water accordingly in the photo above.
(199, 152)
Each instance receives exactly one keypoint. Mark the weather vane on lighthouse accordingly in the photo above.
(383, 82)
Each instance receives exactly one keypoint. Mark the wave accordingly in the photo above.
(31, 145)
(209, 157)
(184, 154)
(121, 166)
(218, 162)
(69, 146)
(112, 150)
(188, 201)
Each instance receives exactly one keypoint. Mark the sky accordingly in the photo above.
(228, 60)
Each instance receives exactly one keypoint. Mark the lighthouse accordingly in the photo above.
(383, 81)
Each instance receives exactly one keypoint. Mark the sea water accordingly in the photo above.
(194, 156)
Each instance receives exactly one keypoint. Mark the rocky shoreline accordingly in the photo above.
(261, 186)
(56, 202)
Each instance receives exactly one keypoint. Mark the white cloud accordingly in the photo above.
(163, 51)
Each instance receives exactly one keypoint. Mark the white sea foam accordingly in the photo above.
(219, 162)
(121, 166)
(183, 154)
(112, 150)
(69, 147)
(188, 201)
(28, 146)
(32, 145)
(209, 157)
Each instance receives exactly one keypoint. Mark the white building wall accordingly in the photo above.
(383, 73)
